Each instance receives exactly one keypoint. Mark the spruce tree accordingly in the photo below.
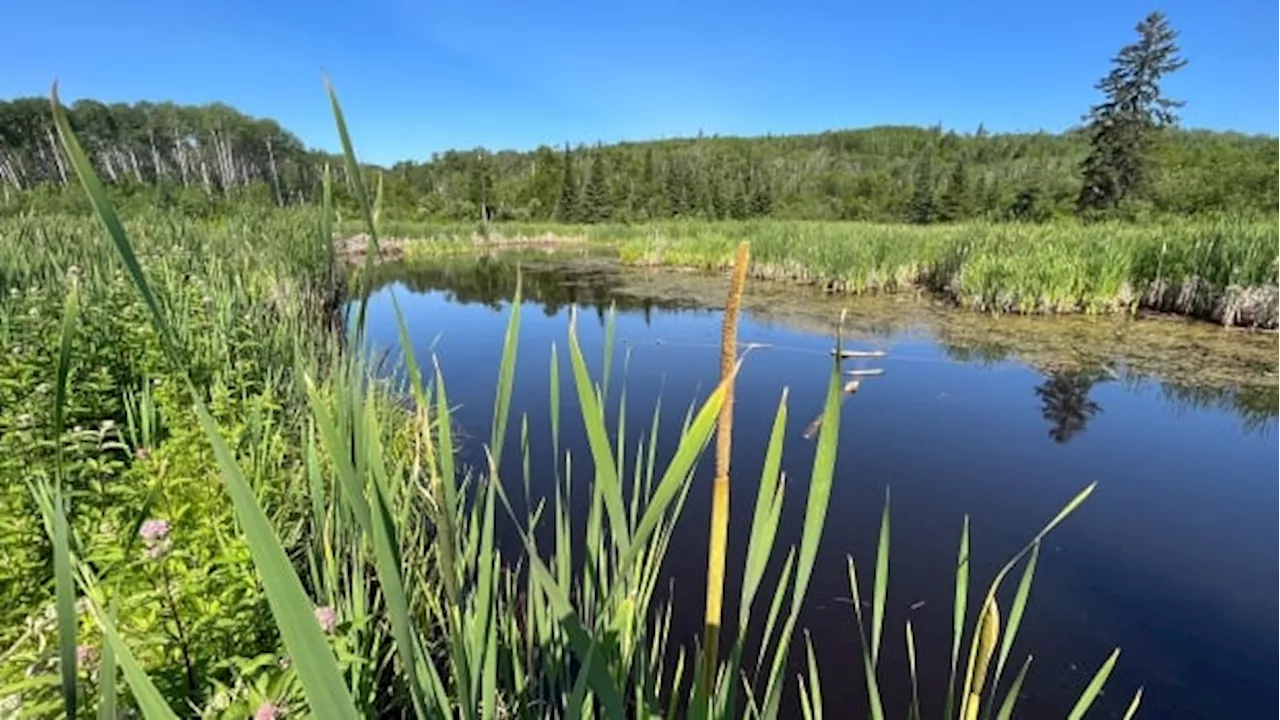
(921, 210)
(1124, 127)
(761, 202)
(567, 208)
(955, 203)
(597, 205)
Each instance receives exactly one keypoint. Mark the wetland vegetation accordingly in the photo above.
(237, 478)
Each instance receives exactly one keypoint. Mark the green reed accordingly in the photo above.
(379, 560)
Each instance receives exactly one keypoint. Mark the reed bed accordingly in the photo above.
(1222, 269)
(294, 543)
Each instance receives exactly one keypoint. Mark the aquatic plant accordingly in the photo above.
(379, 564)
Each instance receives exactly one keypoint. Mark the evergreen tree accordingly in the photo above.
(646, 197)
(480, 188)
(719, 208)
(567, 209)
(955, 203)
(921, 210)
(761, 202)
(597, 205)
(1028, 205)
(1123, 128)
(738, 202)
(674, 190)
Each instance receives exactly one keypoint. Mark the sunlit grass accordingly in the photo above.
(1202, 267)
(424, 613)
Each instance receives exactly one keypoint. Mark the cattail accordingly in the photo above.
(720, 489)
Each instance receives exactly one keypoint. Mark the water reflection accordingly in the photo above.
(1065, 402)
(1072, 367)
(957, 427)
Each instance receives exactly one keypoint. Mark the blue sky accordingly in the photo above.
(418, 77)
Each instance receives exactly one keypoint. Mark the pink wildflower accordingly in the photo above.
(327, 618)
(154, 530)
(268, 711)
(155, 537)
(86, 655)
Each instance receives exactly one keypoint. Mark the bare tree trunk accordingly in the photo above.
(57, 156)
(133, 160)
(180, 157)
(204, 173)
(156, 163)
(275, 176)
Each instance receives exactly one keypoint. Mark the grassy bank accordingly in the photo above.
(215, 512)
(1223, 270)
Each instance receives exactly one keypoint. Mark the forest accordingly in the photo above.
(205, 160)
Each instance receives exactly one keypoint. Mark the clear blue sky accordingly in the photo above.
(421, 76)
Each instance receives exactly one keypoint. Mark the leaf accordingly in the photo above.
(1094, 688)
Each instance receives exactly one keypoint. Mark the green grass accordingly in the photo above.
(355, 570)
(1199, 267)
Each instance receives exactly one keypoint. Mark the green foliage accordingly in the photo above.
(1124, 128)
(922, 196)
(568, 208)
(357, 569)
(597, 205)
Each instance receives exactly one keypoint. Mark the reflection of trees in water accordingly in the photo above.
(1065, 403)
(554, 285)
(1257, 406)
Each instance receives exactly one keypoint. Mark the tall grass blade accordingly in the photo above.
(1015, 614)
(957, 625)
(610, 329)
(606, 468)
(989, 599)
(107, 675)
(1132, 710)
(913, 713)
(1011, 698)
(764, 519)
(824, 463)
(308, 649)
(64, 584)
(815, 686)
(1094, 688)
(881, 586)
(506, 374)
(356, 178)
(145, 693)
(868, 667)
(553, 386)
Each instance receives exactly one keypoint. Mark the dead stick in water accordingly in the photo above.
(850, 388)
(847, 354)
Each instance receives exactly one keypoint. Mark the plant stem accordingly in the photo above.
(720, 489)
(182, 634)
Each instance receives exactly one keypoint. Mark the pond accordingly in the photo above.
(1173, 559)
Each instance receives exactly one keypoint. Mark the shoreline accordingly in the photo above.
(1254, 308)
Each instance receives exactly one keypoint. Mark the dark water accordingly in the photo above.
(1173, 559)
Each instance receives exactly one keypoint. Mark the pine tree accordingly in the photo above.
(761, 198)
(921, 210)
(738, 202)
(955, 203)
(674, 190)
(1123, 128)
(567, 210)
(597, 205)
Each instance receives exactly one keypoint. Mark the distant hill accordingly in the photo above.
(213, 153)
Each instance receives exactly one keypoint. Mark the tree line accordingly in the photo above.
(1129, 159)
